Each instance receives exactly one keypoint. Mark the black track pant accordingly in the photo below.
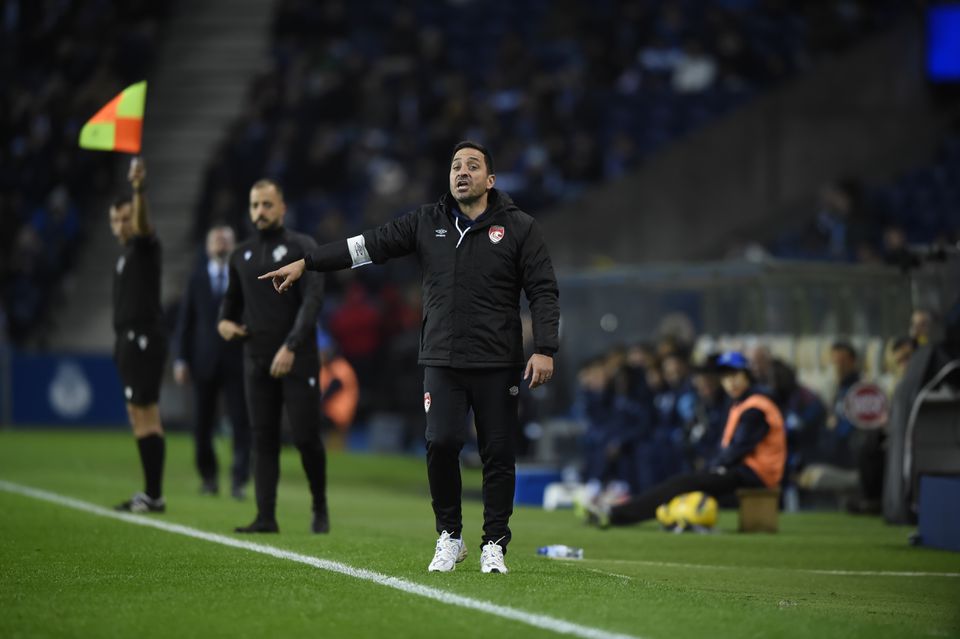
(644, 505)
(449, 394)
(299, 393)
(206, 393)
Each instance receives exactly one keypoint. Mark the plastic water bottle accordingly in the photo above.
(559, 551)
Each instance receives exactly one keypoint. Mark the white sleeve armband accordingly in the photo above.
(358, 251)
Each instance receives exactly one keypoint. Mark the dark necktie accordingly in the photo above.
(220, 282)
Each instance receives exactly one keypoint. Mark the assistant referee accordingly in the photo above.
(141, 344)
(281, 361)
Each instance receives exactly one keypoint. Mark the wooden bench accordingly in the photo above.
(759, 509)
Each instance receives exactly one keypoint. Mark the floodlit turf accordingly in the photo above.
(65, 573)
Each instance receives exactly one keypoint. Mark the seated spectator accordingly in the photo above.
(900, 351)
(839, 443)
(752, 453)
(921, 326)
(835, 463)
(639, 358)
(804, 416)
(710, 412)
(618, 422)
(761, 365)
(675, 405)
(591, 406)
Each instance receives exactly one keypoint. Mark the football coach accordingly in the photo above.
(477, 250)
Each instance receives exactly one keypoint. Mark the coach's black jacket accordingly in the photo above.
(471, 292)
(273, 320)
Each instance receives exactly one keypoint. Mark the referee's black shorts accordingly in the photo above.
(140, 356)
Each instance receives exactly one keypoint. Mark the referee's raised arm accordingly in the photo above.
(140, 218)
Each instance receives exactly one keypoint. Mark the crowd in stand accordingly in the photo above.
(651, 413)
(362, 102)
(61, 61)
(880, 225)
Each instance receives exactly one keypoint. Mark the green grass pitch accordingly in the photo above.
(67, 573)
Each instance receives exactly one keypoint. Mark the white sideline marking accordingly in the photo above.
(610, 574)
(849, 573)
(538, 621)
(883, 573)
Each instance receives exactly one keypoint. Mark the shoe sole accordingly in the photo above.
(142, 511)
(494, 571)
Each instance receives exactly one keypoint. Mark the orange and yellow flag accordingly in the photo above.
(119, 125)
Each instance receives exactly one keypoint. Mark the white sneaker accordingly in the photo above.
(141, 503)
(491, 559)
(449, 553)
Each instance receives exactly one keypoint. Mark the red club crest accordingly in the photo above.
(426, 402)
(495, 233)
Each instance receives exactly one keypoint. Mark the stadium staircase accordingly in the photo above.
(203, 70)
(867, 112)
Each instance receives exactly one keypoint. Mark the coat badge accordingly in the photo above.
(495, 234)
(426, 402)
(279, 252)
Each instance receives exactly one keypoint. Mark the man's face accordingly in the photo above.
(469, 176)
(121, 222)
(843, 363)
(266, 207)
(706, 385)
(919, 324)
(735, 383)
(674, 371)
(761, 361)
(219, 243)
(901, 355)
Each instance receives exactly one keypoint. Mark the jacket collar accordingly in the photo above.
(497, 203)
(271, 234)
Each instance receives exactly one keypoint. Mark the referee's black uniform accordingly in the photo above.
(272, 321)
(140, 348)
(470, 340)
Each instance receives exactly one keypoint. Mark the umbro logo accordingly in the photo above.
(441, 233)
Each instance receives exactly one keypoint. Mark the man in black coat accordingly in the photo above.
(281, 360)
(477, 251)
(214, 365)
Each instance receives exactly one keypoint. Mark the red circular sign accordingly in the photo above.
(866, 405)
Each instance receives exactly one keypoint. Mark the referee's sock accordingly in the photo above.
(152, 451)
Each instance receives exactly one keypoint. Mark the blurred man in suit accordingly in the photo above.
(213, 364)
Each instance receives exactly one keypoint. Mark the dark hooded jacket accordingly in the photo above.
(472, 276)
